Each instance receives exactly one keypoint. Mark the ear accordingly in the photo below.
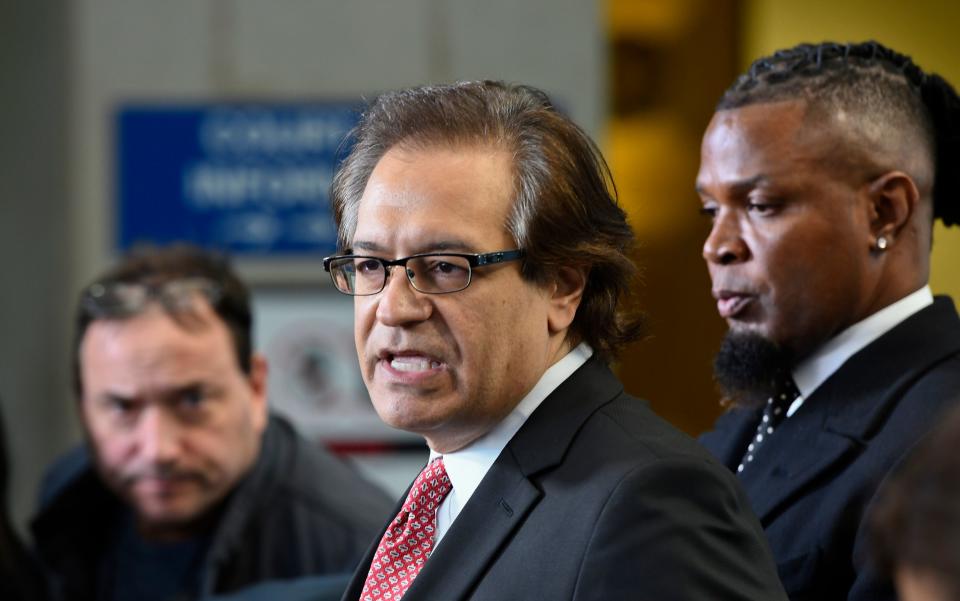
(565, 295)
(893, 199)
(258, 389)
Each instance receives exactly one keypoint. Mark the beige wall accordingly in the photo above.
(924, 29)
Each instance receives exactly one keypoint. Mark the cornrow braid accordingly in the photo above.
(944, 106)
(843, 71)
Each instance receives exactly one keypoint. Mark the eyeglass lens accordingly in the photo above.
(431, 274)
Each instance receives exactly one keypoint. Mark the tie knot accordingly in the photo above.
(429, 489)
(787, 391)
(777, 405)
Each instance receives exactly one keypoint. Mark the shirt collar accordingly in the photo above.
(813, 371)
(467, 466)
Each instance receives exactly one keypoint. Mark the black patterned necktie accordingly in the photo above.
(774, 412)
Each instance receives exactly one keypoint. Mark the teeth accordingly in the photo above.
(413, 364)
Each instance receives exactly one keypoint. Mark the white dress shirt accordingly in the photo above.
(467, 466)
(813, 371)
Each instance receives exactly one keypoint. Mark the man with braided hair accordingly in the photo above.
(822, 172)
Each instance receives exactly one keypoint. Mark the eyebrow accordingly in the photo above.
(438, 246)
(165, 394)
(739, 186)
(113, 397)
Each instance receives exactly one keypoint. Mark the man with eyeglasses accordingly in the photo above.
(188, 486)
(487, 261)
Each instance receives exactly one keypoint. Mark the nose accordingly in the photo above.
(159, 436)
(725, 245)
(399, 303)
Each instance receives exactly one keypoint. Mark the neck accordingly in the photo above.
(172, 532)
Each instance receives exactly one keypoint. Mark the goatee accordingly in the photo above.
(747, 367)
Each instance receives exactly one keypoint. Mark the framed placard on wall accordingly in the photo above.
(248, 179)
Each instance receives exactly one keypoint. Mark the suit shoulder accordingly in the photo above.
(628, 424)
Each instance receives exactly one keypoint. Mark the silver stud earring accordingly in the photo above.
(882, 243)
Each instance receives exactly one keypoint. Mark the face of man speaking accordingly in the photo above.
(450, 366)
(173, 421)
(789, 251)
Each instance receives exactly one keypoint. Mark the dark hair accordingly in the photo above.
(565, 211)
(154, 266)
(873, 81)
(916, 521)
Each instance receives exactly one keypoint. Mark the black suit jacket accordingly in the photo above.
(814, 480)
(597, 498)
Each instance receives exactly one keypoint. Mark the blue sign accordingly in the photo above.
(246, 179)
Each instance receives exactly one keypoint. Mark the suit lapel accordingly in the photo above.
(800, 450)
(495, 511)
(506, 495)
(841, 417)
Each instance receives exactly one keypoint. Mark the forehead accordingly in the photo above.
(774, 139)
(429, 198)
(153, 349)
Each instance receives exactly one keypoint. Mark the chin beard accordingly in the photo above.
(747, 367)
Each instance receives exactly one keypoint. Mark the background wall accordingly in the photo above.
(34, 238)
(926, 30)
(663, 88)
(65, 66)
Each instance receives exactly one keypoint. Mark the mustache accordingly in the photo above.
(161, 473)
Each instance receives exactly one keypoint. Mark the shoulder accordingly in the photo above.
(625, 446)
(670, 502)
(63, 474)
(630, 426)
(299, 511)
(316, 485)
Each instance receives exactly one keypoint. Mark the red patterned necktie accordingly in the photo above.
(408, 541)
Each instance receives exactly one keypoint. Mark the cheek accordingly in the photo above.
(508, 337)
(109, 445)
(363, 319)
(114, 452)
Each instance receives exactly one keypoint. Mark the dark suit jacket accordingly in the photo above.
(597, 498)
(814, 479)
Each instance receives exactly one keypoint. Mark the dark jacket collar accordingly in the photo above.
(848, 409)
(506, 495)
(76, 511)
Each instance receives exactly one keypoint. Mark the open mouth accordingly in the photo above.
(409, 362)
(413, 363)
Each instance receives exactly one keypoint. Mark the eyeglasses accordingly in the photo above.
(432, 273)
(122, 299)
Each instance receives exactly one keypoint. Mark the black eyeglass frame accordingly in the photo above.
(474, 260)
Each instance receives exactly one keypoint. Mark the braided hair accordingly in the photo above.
(872, 80)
